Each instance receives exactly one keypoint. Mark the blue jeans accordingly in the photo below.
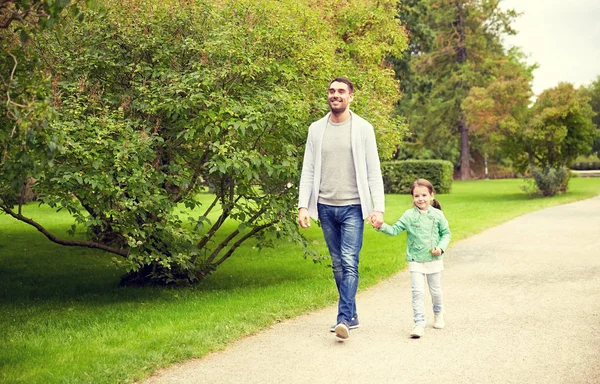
(343, 231)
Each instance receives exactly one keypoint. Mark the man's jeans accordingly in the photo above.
(418, 294)
(343, 231)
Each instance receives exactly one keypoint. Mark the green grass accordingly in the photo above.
(65, 320)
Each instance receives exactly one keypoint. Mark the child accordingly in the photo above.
(428, 234)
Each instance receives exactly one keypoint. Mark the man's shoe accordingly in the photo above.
(342, 331)
(417, 332)
(352, 325)
(439, 321)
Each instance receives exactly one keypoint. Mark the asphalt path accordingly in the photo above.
(522, 305)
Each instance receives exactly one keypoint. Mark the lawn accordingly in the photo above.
(64, 318)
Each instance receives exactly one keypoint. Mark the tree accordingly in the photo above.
(496, 113)
(43, 12)
(593, 92)
(559, 129)
(144, 105)
(465, 54)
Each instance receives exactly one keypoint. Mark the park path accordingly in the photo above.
(522, 306)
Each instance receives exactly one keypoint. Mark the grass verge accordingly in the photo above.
(65, 320)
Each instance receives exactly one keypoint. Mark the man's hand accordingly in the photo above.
(376, 219)
(303, 218)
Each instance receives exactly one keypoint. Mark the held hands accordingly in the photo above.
(303, 218)
(376, 219)
(436, 251)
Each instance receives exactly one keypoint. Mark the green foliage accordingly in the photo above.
(560, 128)
(593, 92)
(398, 176)
(584, 163)
(549, 181)
(496, 113)
(125, 116)
(466, 52)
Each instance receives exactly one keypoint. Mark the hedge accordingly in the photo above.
(398, 176)
(586, 165)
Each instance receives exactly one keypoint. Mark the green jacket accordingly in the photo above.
(424, 232)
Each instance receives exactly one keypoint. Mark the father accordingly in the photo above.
(341, 185)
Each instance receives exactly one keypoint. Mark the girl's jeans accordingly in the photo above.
(418, 294)
(343, 231)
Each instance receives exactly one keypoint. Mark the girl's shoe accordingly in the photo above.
(439, 321)
(417, 332)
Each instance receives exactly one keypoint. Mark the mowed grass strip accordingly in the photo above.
(64, 318)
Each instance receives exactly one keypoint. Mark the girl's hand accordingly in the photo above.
(437, 251)
(376, 219)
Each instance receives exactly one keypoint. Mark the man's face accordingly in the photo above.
(339, 97)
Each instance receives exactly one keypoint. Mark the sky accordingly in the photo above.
(562, 37)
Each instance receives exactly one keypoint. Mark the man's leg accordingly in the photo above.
(332, 234)
(343, 232)
(352, 228)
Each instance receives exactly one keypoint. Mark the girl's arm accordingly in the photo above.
(396, 228)
(445, 234)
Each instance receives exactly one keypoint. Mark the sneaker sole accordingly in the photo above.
(332, 329)
(342, 333)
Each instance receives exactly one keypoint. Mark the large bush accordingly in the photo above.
(398, 176)
(125, 116)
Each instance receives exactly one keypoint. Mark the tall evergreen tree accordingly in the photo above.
(465, 53)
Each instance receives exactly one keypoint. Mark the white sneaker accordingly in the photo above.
(342, 331)
(439, 321)
(417, 332)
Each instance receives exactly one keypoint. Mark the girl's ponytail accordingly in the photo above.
(436, 204)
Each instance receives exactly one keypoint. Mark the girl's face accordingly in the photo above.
(422, 198)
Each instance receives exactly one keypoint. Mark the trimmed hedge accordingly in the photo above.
(398, 176)
(586, 166)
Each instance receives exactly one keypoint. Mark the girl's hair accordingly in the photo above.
(429, 186)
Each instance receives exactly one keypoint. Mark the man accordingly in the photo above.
(341, 185)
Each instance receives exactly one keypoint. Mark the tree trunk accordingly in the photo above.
(461, 56)
(465, 153)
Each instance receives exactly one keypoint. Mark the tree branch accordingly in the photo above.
(70, 243)
(232, 235)
(240, 241)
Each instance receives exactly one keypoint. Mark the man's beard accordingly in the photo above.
(337, 110)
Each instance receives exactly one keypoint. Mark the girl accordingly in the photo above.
(428, 235)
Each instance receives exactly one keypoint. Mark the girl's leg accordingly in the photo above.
(434, 281)
(418, 297)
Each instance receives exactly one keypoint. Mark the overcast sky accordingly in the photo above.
(562, 36)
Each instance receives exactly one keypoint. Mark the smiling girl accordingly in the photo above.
(428, 235)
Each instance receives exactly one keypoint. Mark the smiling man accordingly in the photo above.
(341, 185)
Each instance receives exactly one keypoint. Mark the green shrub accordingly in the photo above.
(586, 166)
(398, 176)
(550, 181)
(586, 163)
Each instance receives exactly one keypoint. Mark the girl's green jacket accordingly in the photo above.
(424, 232)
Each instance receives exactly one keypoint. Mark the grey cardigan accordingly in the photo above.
(366, 164)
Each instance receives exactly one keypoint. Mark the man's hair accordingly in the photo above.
(345, 81)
